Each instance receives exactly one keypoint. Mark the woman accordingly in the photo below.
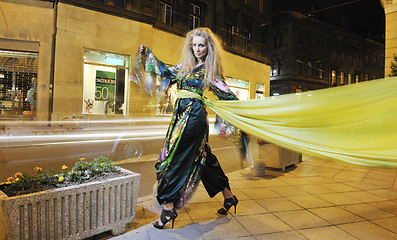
(186, 157)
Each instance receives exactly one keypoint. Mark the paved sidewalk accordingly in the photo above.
(318, 199)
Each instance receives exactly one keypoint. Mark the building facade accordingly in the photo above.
(309, 54)
(77, 54)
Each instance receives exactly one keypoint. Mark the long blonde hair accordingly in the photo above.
(212, 63)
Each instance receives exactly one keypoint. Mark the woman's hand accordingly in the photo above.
(141, 49)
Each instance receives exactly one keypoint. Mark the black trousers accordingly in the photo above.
(213, 177)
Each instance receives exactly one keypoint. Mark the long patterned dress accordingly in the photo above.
(186, 158)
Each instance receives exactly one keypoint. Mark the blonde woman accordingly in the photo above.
(185, 157)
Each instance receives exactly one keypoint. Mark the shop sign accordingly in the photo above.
(105, 86)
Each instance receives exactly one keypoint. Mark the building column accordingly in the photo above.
(390, 7)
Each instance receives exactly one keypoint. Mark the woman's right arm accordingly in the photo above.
(154, 65)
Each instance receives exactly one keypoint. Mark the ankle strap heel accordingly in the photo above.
(227, 204)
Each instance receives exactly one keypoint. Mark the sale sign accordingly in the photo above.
(105, 83)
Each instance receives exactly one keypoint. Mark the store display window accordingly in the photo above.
(18, 82)
(105, 78)
(260, 90)
(239, 87)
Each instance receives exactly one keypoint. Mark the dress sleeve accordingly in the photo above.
(221, 90)
(225, 129)
(147, 67)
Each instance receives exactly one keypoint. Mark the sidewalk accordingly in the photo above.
(318, 199)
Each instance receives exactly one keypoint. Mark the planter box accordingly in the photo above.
(276, 157)
(74, 212)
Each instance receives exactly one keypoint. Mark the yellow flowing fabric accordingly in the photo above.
(355, 123)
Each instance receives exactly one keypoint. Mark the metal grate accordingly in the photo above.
(17, 69)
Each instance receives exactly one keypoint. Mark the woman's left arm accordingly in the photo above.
(221, 90)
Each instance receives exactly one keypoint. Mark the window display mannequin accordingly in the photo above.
(32, 95)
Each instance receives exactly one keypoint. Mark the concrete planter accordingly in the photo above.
(276, 157)
(74, 212)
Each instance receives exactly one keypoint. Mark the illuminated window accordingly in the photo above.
(239, 87)
(333, 77)
(105, 78)
(18, 82)
(274, 70)
(260, 91)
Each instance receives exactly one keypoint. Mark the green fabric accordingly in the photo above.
(354, 123)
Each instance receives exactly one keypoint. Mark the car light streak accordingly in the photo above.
(45, 140)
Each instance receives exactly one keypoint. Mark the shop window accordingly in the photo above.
(239, 87)
(194, 19)
(18, 82)
(105, 78)
(166, 12)
(260, 91)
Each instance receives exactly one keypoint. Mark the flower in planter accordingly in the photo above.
(60, 179)
(17, 175)
(23, 183)
(261, 142)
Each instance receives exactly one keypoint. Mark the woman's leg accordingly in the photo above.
(227, 193)
(213, 177)
(215, 181)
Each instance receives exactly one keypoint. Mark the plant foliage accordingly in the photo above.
(82, 171)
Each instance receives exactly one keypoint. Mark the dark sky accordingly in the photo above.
(364, 15)
(361, 15)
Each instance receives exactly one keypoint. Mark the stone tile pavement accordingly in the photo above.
(319, 199)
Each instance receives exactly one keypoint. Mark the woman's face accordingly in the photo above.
(199, 47)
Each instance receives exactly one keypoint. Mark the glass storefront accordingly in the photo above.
(239, 87)
(260, 89)
(105, 78)
(18, 82)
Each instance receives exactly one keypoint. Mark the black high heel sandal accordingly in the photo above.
(165, 217)
(227, 204)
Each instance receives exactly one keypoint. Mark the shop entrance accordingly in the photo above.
(18, 83)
